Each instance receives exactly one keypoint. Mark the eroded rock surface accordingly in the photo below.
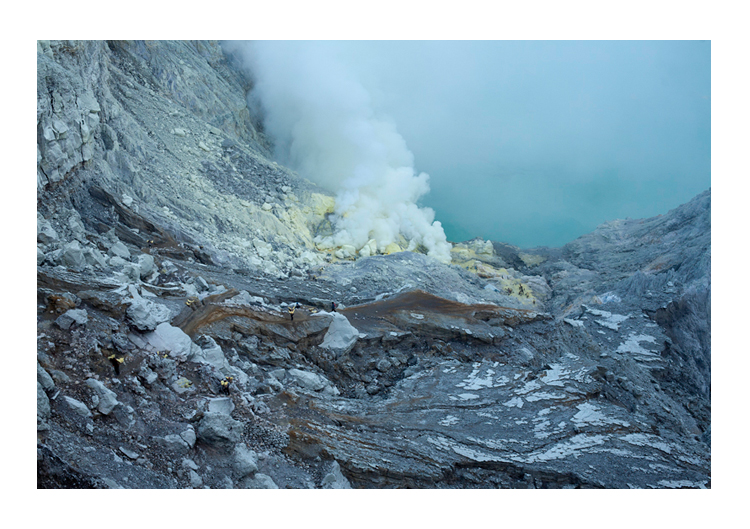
(170, 248)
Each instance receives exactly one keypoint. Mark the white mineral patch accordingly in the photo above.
(515, 401)
(474, 382)
(468, 396)
(566, 448)
(639, 439)
(528, 387)
(632, 344)
(475, 455)
(574, 323)
(450, 420)
(543, 396)
(540, 429)
(677, 484)
(609, 320)
(610, 297)
(417, 316)
(588, 414)
(555, 375)
(500, 381)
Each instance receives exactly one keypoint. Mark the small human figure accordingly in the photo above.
(225, 384)
(333, 306)
(291, 312)
(115, 362)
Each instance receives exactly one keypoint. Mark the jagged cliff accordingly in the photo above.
(170, 247)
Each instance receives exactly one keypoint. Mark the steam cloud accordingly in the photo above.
(324, 126)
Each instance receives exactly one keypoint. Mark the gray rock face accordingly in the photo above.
(585, 366)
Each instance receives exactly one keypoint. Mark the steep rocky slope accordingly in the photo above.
(170, 247)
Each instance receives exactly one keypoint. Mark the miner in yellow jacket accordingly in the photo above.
(291, 312)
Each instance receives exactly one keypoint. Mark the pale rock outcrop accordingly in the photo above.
(219, 429)
(165, 337)
(71, 316)
(335, 479)
(145, 314)
(341, 335)
(106, 398)
(78, 407)
(259, 481)
(245, 461)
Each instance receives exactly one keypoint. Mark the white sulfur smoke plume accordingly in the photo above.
(324, 126)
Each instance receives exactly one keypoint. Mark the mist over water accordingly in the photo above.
(527, 142)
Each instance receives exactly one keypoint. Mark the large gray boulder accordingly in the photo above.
(245, 461)
(69, 317)
(146, 315)
(165, 337)
(78, 407)
(341, 335)
(73, 256)
(219, 429)
(221, 405)
(308, 379)
(259, 481)
(118, 249)
(335, 479)
(146, 265)
(45, 233)
(44, 378)
(107, 399)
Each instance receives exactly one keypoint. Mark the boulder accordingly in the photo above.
(146, 265)
(245, 461)
(106, 397)
(45, 233)
(72, 256)
(219, 429)
(341, 335)
(189, 436)
(165, 337)
(213, 355)
(120, 250)
(308, 380)
(335, 479)
(173, 443)
(69, 317)
(94, 257)
(221, 405)
(43, 409)
(147, 315)
(195, 480)
(77, 406)
(44, 378)
(259, 481)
